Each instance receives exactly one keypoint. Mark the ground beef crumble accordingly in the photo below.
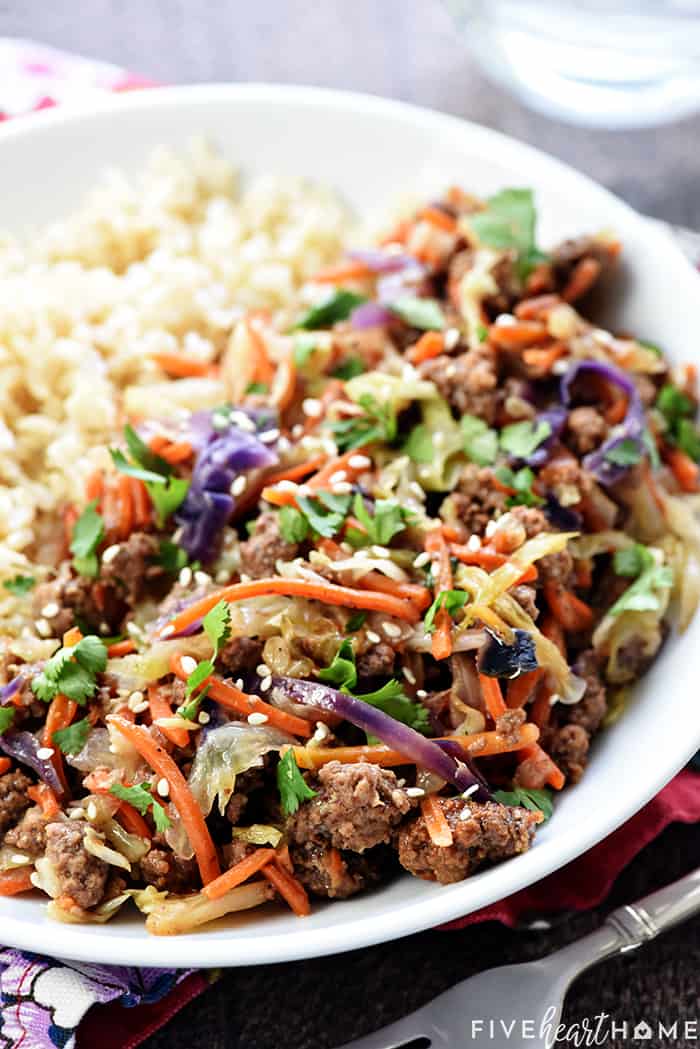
(265, 548)
(13, 798)
(80, 875)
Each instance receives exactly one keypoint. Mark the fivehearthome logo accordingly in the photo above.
(598, 1030)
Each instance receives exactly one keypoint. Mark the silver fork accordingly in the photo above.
(520, 1005)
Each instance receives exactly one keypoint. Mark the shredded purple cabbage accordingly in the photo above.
(556, 417)
(632, 427)
(382, 261)
(369, 315)
(424, 752)
(223, 456)
(24, 747)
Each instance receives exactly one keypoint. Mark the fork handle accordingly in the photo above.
(628, 927)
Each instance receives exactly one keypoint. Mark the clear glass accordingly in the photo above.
(604, 63)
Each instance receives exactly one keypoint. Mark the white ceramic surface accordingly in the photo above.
(371, 149)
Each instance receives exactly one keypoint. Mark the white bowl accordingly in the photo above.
(371, 150)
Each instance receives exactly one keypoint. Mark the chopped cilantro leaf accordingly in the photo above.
(650, 346)
(336, 308)
(509, 221)
(392, 700)
(322, 520)
(342, 671)
(167, 496)
(626, 452)
(688, 438)
(257, 387)
(72, 739)
(294, 527)
(7, 717)
(142, 454)
(203, 670)
(377, 424)
(452, 600)
(72, 671)
(166, 491)
(651, 449)
(521, 481)
(673, 404)
(304, 346)
(425, 314)
(171, 556)
(482, 332)
(632, 560)
(389, 519)
(19, 585)
(291, 784)
(522, 438)
(217, 625)
(480, 442)
(355, 622)
(88, 533)
(349, 369)
(528, 798)
(646, 593)
(139, 795)
(133, 469)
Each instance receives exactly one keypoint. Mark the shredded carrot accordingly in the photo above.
(583, 572)
(231, 697)
(545, 358)
(399, 233)
(414, 592)
(536, 308)
(484, 557)
(284, 859)
(59, 715)
(327, 593)
(180, 365)
(436, 822)
(518, 336)
(436, 544)
(132, 821)
(72, 637)
(121, 648)
(686, 472)
(239, 873)
(5, 765)
(160, 708)
(453, 534)
(353, 269)
(177, 452)
(584, 276)
(94, 486)
(520, 688)
(493, 697)
(296, 473)
(319, 481)
(180, 794)
(439, 218)
(45, 799)
(16, 881)
(529, 575)
(335, 866)
(573, 613)
(541, 707)
(431, 344)
(142, 503)
(289, 888)
(476, 745)
(552, 773)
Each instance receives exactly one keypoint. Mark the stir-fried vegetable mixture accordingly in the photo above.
(369, 615)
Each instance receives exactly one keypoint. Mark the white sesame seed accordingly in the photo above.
(44, 753)
(223, 576)
(421, 693)
(112, 749)
(554, 699)
(42, 628)
(465, 814)
(312, 407)
(202, 578)
(244, 577)
(239, 683)
(19, 858)
(490, 529)
(91, 810)
(263, 670)
(286, 486)
(135, 631)
(256, 718)
(297, 431)
(241, 420)
(380, 551)
(303, 491)
(136, 695)
(341, 488)
(322, 732)
(470, 790)
(283, 445)
(415, 792)
(140, 707)
(265, 684)
(50, 610)
(338, 477)
(473, 543)
(110, 553)
(163, 787)
(359, 462)
(269, 436)
(188, 664)
(185, 576)
(391, 629)
(35, 880)
(373, 637)
(105, 628)
(505, 320)
(239, 485)
(203, 718)
(450, 371)
(421, 560)
(76, 814)
(167, 630)
(409, 675)
(451, 338)
(439, 439)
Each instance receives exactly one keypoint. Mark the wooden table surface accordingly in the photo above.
(409, 51)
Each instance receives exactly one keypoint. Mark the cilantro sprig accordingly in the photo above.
(72, 671)
(337, 307)
(72, 739)
(139, 795)
(378, 423)
(88, 533)
(678, 411)
(292, 786)
(651, 580)
(342, 671)
(521, 482)
(528, 798)
(451, 600)
(522, 438)
(388, 520)
(166, 490)
(480, 441)
(508, 221)
(7, 718)
(19, 585)
(217, 627)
